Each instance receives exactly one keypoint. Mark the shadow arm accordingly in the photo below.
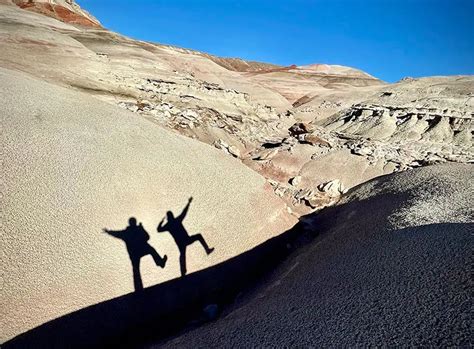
(114, 233)
(185, 210)
(162, 227)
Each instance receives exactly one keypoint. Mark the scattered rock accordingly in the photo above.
(390, 167)
(315, 140)
(333, 188)
(142, 104)
(233, 150)
(230, 149)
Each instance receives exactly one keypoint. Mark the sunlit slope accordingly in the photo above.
(73, 165)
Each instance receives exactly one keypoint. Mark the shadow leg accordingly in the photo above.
(199, 237)
(161, 262)
(137, 278)
(182, 261)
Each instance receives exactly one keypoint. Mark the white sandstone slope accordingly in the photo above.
(73, 165)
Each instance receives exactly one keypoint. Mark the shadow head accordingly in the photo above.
(132, 221)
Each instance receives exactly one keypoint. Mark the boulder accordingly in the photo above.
(295, 181)
(300, 128)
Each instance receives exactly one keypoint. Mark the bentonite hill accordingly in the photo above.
(159, 196)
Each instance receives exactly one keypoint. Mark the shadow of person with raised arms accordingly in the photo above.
(182, 238)
(136, 239)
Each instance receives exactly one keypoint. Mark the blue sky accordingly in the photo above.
(389, 39)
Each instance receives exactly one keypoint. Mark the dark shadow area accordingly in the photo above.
(372, 275)
(162, 310)
(136, 240)
(407, 287)
(175, 227)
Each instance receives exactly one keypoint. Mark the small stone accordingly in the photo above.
(390, 167)
(220, 144)
(318, 202)
(189, 114)
(233, 150)
(295, 181)
(211, 311)
(365, 113)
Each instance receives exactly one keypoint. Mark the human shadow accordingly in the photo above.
(137, 319)
(136, 240)
(180, 235)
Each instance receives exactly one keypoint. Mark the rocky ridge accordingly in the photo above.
(355, 126)
(395, 130)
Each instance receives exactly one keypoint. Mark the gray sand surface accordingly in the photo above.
(391, 267)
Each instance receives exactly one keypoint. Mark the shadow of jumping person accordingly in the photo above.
(136, 240)
(182, 238)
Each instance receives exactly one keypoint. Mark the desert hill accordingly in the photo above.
(247, 108)
(99, 128)
(64, 10)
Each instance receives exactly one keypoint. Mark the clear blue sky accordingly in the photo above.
(389, 39)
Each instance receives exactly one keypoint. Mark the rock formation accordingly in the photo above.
(361, 126)
(409, 124)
